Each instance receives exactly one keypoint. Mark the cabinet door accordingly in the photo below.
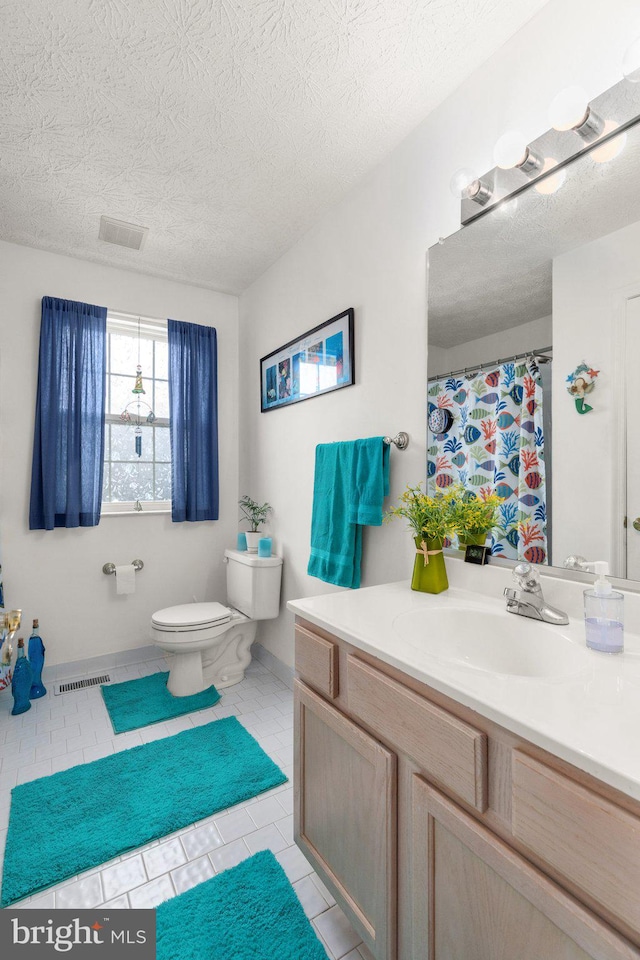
(476, 899)
(345, 816)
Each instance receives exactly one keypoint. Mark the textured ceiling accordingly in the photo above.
(225, 126)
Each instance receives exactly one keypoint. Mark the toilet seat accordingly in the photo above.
(191, 617)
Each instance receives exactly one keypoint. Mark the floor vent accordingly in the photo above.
(80, 684)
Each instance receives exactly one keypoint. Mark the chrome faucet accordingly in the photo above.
(529, 601)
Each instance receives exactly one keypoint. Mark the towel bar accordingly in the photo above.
(401, 440)
(109, 568)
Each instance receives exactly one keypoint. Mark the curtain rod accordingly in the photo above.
(537, 355)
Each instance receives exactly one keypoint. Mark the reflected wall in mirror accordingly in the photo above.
(555, 276)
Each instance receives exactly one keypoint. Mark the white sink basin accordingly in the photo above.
(498, 643)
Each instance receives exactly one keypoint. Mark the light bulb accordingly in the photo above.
(569, 109)
(631, 62)
(510, 150)
(612, 147)
(461, 182)
(553, 182)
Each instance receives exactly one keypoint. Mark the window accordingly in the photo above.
(130, 481)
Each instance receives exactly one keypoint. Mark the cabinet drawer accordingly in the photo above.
(588, 840)
(451, 752)
(317, 662)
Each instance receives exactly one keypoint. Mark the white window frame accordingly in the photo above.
(153, 329)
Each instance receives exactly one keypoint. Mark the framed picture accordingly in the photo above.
(319, 361)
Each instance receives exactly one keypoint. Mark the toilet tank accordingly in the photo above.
(253, 584)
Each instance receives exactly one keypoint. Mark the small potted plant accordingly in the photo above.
(431, 520)
(474, 514)
(256, 514)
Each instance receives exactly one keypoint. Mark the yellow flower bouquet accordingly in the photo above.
(473, 515)
(428, 516)
(431, 520)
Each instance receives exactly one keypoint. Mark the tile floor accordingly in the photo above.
(61, 731)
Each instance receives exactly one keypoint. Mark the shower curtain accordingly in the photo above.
(496, 445)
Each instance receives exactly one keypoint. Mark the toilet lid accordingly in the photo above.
(192, 615)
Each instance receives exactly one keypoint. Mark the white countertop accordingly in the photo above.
(589, 716)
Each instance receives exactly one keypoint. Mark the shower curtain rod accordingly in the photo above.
(537, 355)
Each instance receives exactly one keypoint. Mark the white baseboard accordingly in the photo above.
(277, 667)
(80, 668)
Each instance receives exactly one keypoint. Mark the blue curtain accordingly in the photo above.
(68, 445)
(193, 421)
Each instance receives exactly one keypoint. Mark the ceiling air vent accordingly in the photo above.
(123, 233)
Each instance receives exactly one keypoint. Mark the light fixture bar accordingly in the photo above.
(620, 105)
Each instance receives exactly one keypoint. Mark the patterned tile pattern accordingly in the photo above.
(74, 728)
(227, 128)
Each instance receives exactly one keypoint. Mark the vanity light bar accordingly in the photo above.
(620, 105)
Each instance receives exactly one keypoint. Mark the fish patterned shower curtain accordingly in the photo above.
(496, 445)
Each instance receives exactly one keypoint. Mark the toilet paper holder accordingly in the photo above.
(109, 568)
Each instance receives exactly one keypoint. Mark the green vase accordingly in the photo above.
(478, 539)
(429, 577)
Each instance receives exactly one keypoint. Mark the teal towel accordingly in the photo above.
(350, 482)
(371, 481)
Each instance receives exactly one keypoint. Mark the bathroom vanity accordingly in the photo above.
(465, 812)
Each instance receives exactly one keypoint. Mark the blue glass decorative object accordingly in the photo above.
(264, 547)
(21, 683)
(36, 659)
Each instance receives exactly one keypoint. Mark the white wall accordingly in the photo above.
(508, 343)
(56, 575)
(370, 252)
(590, 287)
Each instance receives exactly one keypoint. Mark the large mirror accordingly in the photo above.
(518, 300)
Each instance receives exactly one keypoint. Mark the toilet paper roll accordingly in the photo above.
(126, 578)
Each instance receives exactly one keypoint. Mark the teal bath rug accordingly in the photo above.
(249, 912)
(137, 703)
(66, 823)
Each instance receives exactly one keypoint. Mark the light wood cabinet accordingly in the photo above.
(345, 816)
(476, 899)
(444, 836)
(454, 752)
(317, 662)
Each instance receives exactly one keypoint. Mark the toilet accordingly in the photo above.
(210, 643)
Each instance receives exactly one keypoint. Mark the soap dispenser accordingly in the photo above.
(603, 612)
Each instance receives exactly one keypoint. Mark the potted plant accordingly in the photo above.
(256, 514)
(474, 514)
(431, 520)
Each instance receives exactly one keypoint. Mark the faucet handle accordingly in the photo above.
(526, 576)
(576, 563)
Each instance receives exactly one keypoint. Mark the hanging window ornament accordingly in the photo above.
(138, 414)
(138, 387)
